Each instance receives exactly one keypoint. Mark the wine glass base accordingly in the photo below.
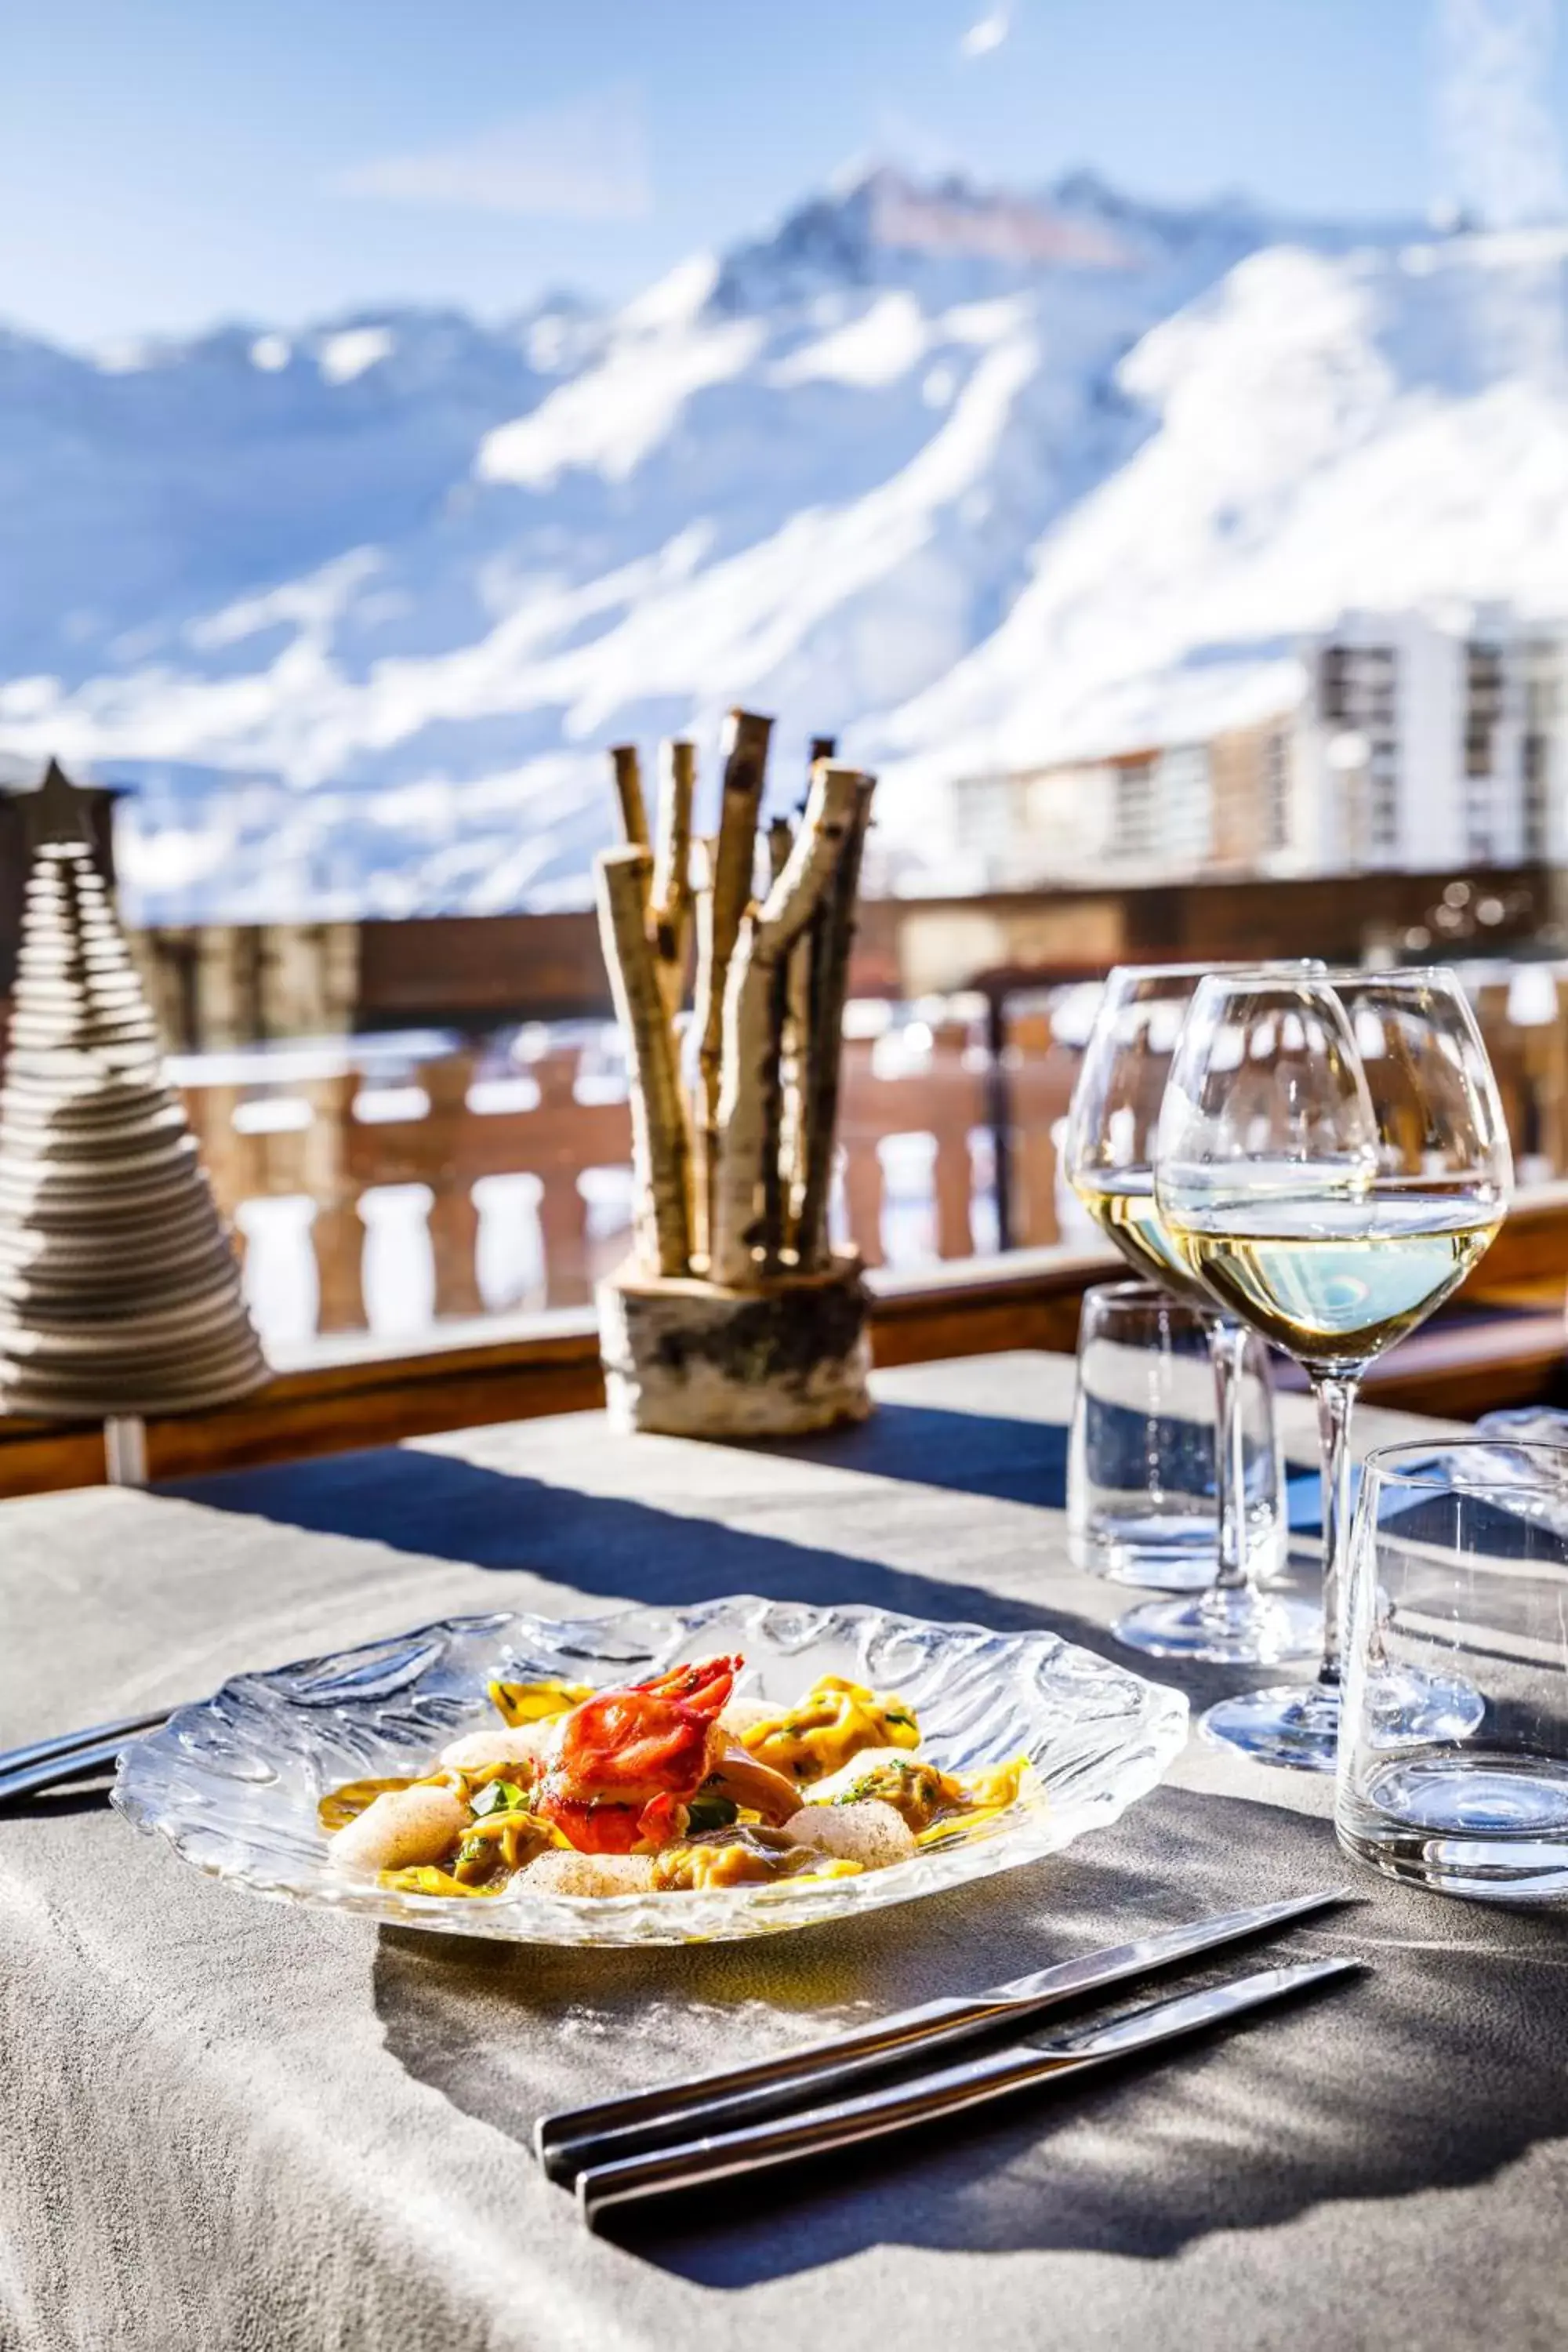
(1295, 1729)
(1405, 1709)
(1225, 1626)
(1299, 1729)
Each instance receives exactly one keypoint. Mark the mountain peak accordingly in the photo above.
(881, 221)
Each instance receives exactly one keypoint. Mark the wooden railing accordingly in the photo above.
(348, 1389)
(1503, 1344)
(452, 1139)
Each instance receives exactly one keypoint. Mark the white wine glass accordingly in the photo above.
(1332, 1160)
(1109, 1160)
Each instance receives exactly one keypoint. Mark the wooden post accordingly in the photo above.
(454, 1220)
(563, 1237)
(337, 1242)
(453, 1228)
(337, 1231)
(1041, 1075)
(953, 1175)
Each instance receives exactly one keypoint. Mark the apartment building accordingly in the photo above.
(1433, 741)
(1420, 741)
(1158, 814)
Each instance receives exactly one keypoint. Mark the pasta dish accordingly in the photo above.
(670, 1785)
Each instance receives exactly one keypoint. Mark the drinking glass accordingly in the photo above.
(1330, 1162)
(1142, 1503)
(1459, 1574)
(1109, 1156)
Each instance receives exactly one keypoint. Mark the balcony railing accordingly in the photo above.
(424, 1221)
(1503, 1343)
(392, 1189)
(397, 1187)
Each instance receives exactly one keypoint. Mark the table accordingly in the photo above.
(231, 2125)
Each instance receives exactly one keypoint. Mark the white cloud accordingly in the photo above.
(988, 33)
(585, 161)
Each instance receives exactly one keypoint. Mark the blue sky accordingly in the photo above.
(168, 164)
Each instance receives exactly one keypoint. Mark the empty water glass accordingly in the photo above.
(1141, 1500)
(1453, 1755)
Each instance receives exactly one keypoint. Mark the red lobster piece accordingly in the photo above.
(627, 1761)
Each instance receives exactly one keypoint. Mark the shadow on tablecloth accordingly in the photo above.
(1431, 2072)
(441, 1507)
(360, 1494)
(1018, 1460)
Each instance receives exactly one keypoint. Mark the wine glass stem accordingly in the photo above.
(1227, 1353)
(1335, 1395)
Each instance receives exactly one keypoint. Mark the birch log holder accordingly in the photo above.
(734, 1317)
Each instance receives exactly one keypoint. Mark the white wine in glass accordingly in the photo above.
(1334, 1282)
(1332, 1161)
(1111, 1164)
(1123, 1206)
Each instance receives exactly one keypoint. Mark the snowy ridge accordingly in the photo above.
(969, 480)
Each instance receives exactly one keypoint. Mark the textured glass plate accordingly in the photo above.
(233, 1784)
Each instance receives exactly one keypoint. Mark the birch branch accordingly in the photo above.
(669, 912)
(734, 856)
(781, 841)
(661, 1154)
(797, 1033)
(703, 848)
(780, 1063)
(749, 1043)
(832, 936)
(628, 795)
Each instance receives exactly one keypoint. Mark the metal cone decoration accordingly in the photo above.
(119, 1290)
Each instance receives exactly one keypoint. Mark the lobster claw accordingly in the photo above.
(705, 1687)
(627, 1760)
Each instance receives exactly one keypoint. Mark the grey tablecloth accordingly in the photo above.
(233, 2125)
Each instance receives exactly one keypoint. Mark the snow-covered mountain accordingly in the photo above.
(966, 479)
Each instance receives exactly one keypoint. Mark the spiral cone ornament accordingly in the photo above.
(119, 1290)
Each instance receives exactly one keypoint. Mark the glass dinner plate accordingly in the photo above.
(233, 1784)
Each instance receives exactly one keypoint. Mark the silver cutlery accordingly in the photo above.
(71, 1756)
(902, 2106)
(567, 2143)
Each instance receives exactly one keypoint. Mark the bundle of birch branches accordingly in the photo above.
(734, 1106)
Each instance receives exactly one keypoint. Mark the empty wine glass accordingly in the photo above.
(1330, 1162)
(1109, 1162)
